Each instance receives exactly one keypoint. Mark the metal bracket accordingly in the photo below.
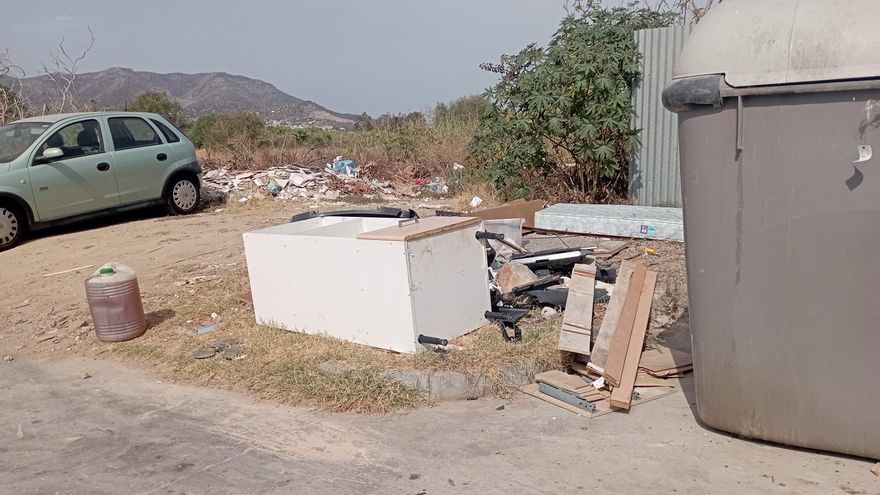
(566, 396)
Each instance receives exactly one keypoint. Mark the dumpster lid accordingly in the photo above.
(757, 43)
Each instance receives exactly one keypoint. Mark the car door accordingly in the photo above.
(140, 158)
(81, 180)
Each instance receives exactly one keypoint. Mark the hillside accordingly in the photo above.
(197, 93)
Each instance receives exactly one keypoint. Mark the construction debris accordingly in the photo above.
(615, 374)
(287, 183)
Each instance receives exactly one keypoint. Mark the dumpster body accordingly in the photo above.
(781, 191)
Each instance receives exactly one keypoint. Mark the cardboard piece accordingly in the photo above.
(514, 209)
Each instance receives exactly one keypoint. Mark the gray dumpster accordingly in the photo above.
(779, 118)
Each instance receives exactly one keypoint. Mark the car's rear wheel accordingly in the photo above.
(183, 195)
(13, 226)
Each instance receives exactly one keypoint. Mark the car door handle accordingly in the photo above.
(103, 166)
(161, 157)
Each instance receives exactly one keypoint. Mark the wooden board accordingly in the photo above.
(515, 209)
(599, 354)
(621, 396)
(573, 384)
(603, 407)
(608, 248)
(577, 322)
(424, 227)
(620, 340)
(665, 358)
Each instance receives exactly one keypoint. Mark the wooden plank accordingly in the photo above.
(599, 354)
(608, 248)
(645, 380)
(623, 332)
(603, 407)
(424, 227)
(665, 358)
(578, 343)
(515, 209)
(562, 380)
(621, 396)
(577, 322)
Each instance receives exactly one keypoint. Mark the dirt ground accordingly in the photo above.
(191, 271)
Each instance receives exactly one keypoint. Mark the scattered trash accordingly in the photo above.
(650, 251)
(85, 375)
(345, 167)
(232, 352)
(7, 358)
(500, 408)
(875, 469)
(458, 166)
(341, 177)
(62, 272)
(19, 434)
(476, 201)
(549, 313)
(273, 188)
(210, 327)
(437, 186)
(204, 353)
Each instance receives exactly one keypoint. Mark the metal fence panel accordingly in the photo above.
(654, 169)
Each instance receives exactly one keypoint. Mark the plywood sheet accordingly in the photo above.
(665, 358)
(515, 209)
(424, 227)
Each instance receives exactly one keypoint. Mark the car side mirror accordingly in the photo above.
(52, 153)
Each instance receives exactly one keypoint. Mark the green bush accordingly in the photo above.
(560, 120)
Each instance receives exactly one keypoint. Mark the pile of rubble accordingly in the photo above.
(339, 178)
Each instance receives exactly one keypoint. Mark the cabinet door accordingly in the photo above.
(81, 180)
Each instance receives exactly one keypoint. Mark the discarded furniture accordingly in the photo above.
(381, 282)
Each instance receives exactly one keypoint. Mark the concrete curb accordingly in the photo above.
(449, 385)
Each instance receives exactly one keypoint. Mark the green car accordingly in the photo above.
(58, 169)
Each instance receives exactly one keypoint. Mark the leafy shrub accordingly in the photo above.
(560, 120)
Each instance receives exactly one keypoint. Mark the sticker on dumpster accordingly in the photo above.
(648, 230)
(865, 154)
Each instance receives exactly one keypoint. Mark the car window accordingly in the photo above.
(78, 139)
(170, 136)
(132, 132)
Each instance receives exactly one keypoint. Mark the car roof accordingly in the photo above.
(58, 117)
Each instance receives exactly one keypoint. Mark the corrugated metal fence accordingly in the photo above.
(654, 172)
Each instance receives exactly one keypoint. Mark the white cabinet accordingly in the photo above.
(370, 280)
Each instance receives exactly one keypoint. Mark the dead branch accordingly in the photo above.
(63, 73)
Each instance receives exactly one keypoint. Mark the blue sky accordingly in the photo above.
(349, 55)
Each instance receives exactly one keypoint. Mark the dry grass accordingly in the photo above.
(284, 366)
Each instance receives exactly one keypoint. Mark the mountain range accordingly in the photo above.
(198, 94)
